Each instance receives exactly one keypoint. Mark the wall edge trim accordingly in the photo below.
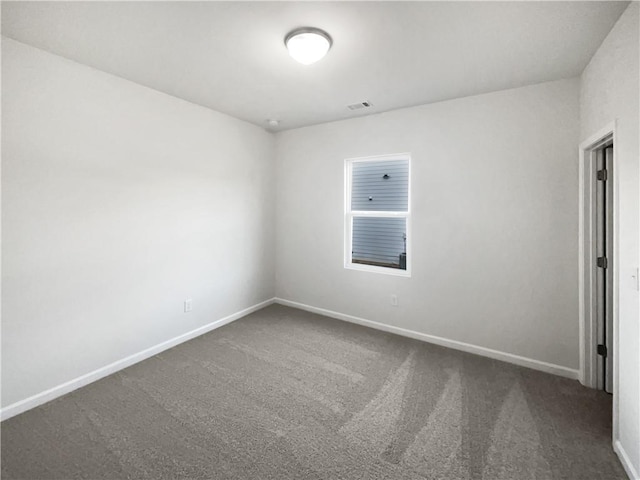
(625, 460)
(83, 380)
(444, 342)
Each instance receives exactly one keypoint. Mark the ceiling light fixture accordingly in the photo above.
(307, 45)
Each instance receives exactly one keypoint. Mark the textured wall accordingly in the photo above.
(494, 220)
(610, 92)
(120, 202)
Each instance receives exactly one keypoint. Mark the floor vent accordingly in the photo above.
(358, 106)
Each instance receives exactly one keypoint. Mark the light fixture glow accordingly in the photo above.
(308, 45)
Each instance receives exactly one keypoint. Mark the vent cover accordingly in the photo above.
(358, 106)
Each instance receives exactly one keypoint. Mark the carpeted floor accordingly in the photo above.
(285, 394)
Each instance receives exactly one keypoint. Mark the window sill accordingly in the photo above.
(362, 267)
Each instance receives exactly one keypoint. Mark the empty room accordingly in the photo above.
(320, 240)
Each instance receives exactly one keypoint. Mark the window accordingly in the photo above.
(377, 214)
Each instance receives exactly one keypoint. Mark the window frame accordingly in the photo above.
(350, 214)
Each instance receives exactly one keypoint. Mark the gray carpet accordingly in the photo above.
(285, 394)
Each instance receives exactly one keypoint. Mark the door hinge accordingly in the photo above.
(602, 175)
(602, 350)
(602, 262)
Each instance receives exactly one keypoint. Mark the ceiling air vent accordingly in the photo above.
(358, 106)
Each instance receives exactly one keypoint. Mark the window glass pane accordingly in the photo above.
(379, 241)
(380, 186)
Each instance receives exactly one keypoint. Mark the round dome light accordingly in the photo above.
(307, 45)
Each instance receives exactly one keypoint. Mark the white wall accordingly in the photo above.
(494, 199)
(609, 91)
(118, 203)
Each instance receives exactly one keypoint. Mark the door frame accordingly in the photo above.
(587, 257)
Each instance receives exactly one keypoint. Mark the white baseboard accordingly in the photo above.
(625, 460)
(454, 344)
(59, 390)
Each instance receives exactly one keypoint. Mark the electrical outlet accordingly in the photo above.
(188, 305)
(394, 299)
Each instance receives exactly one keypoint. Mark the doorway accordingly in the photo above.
(598, 263)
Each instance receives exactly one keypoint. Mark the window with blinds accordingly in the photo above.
(377, 215)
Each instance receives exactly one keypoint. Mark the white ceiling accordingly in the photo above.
(230, 56)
